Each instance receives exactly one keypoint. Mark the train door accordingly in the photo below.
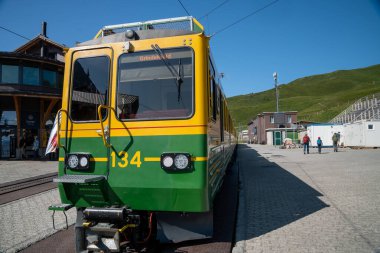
(87, 131)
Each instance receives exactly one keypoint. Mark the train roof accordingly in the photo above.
(146, 30)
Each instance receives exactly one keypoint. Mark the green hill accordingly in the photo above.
(317, 98)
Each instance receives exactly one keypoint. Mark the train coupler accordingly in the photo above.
(113, 229)
(61, 208)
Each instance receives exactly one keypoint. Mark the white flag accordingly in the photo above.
(53, 138)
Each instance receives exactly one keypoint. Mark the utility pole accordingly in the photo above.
(275, 85)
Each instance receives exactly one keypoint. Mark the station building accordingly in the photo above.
(272, 128)
(31, 79)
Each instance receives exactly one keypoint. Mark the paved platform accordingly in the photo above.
(291, 202)
(16, 170)
(27, 220)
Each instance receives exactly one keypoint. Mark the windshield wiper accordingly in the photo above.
(178, 75)
(179, 78)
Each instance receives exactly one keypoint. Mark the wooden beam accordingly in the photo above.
(53, 102)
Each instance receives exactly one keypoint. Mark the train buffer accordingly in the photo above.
(61, 208)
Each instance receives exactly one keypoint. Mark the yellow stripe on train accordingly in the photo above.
(153, 131)
(146, 159)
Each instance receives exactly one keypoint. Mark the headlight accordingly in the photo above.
(83, 161)
(176, 162)
(167, 161)
(78, 161)
(181, 161)
(72, 161)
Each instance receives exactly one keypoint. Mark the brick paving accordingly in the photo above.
(16, 170)
(291, 202)
(27, 220)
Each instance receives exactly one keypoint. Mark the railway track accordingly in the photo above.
(22, 188)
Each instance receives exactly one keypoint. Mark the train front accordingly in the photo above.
(133, 136)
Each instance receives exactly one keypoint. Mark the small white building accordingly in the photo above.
(362, 134)
(276, 136)
(357, 134)
(325, 131)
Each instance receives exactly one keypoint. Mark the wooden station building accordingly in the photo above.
(31, 79)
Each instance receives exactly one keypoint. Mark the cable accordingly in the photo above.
(14, 33)
(184, 7)
(217, 7)
(243, 18)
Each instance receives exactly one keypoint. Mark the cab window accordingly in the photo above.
(89, 87)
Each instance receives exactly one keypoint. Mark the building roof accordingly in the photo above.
(22, 56)
(30, 91)
(36, 41)
(292, 112)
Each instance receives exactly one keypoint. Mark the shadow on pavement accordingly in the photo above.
(273, 197)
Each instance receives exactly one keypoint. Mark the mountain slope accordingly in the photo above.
(316, 98)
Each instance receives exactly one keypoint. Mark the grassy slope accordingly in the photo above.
(316, 98)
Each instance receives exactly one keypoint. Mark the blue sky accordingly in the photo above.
(295, 38)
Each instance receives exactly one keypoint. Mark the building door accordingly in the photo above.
(277, 138)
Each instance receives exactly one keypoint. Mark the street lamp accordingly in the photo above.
(275, 85)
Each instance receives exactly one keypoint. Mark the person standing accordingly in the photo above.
(335, 139)
(36, 146)
(306, 142)
(319, 144)
(22, 146)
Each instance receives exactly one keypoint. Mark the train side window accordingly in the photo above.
(213, 98)
(221, 105)
(89, 87)
(212, 93)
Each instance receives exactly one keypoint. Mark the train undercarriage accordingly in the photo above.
(119, 229)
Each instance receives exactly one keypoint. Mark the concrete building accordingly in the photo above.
(31, 79)
(279, 125)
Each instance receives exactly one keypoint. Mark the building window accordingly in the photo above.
(370, 127)
(60, 80)
(49, 78)
(8, 118)
(31, 76)
(271, 118)
(289, 119)
(9, 74)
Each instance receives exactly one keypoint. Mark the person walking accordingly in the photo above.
(36, 146)
(319, 144)
(306, 142)
(335, 139)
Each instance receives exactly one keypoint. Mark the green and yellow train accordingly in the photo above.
(145, 135)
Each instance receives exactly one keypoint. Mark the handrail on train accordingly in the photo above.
(59, 127)
(108, 145)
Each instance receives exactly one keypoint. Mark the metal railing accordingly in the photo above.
(366, 108)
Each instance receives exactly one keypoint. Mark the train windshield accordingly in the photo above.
(155, 84)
